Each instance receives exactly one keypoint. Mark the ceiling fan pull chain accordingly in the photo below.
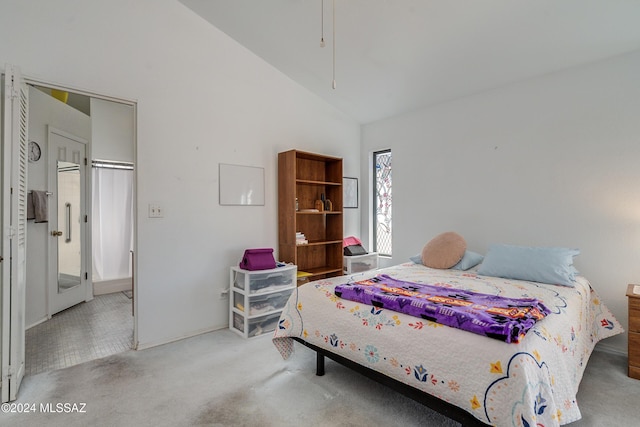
(322, 24)
(334, 44)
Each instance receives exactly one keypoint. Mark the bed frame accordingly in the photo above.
(438, 405)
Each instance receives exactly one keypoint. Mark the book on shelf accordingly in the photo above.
(301, 239)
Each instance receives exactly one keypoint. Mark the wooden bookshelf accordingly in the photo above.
(305, 177)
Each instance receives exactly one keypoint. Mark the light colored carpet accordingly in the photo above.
(219, 379)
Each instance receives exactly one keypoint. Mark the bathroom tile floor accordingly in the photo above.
(87, 331)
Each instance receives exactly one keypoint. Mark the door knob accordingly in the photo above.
(56, 233)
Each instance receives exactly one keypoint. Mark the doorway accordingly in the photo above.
(69, 319)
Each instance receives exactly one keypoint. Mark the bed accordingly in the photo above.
(468, 377)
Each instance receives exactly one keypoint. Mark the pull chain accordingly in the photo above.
(334, 45)
(322, 44)
(322, 24)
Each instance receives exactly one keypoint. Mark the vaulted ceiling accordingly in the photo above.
(395, 56)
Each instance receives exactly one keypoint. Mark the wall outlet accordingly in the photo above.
(156, 211)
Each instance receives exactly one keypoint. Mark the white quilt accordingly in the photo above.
(533, 383)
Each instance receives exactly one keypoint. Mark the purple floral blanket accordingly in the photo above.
(502, 318)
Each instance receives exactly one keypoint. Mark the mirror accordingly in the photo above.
(69, 217)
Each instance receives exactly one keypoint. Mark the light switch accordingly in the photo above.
(155, 211)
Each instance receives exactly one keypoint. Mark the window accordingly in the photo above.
(382, 202)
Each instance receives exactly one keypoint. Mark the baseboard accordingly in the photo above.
(144, 346)
(44, 319)
(112, 286)
(609, 349)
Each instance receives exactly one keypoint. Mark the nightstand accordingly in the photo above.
(634, 331)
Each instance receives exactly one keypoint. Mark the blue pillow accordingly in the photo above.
(543, 265)
(416, 258)
(469, 259)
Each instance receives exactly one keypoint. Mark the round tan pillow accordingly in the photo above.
(444, 251)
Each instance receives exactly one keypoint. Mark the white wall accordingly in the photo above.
(44, 110)
(552, 161)
(202, 99)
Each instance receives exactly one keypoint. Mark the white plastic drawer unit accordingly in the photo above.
(254, 327)
(360, 263)
(261, 304)
(261, 281)
(257, 298)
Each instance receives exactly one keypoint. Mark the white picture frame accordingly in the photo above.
(350, 192)
(241, 185)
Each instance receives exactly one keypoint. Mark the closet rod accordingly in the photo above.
(111, 164)
(48, 193)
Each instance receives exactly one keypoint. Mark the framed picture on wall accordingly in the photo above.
(350, 192)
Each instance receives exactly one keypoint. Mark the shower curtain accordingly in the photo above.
(112, 230)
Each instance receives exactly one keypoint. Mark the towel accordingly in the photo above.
(30, 211)
(351, 240)
(37, 207)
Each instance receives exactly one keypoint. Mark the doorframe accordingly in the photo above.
(134, 104)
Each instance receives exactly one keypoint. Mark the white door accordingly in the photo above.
(13, 218)
(67, 272)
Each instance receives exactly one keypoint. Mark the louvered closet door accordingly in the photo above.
(14, 230)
